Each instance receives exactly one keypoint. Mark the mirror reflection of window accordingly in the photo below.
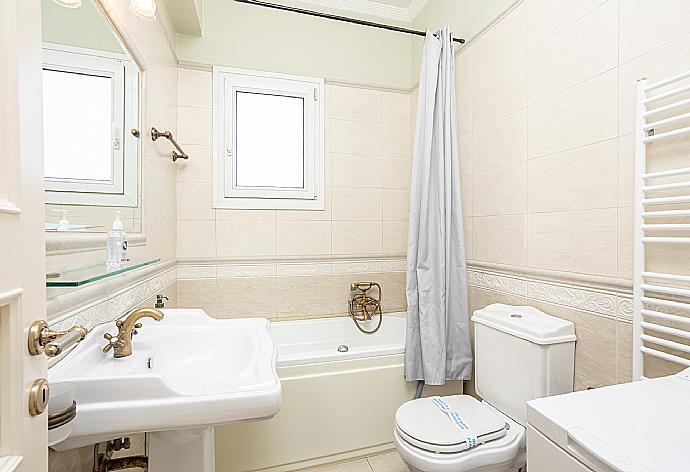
(92, 162)
(77, 105)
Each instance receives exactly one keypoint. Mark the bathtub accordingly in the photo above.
(336, 404)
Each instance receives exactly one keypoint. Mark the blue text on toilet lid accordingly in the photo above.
(457, 420)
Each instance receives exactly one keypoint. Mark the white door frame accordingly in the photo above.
(23, 438)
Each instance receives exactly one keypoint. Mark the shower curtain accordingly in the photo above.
(438, 341)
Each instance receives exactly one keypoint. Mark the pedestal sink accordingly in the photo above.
(187, 373)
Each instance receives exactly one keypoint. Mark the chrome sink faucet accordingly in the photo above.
(122, 343)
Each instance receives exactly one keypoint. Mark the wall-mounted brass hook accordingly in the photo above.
(179, 154)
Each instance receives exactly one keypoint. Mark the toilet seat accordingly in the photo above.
(506, 452)
(422, 424)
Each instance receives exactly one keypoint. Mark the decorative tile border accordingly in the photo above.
(112, 307)
(286, 268)
(589, 299)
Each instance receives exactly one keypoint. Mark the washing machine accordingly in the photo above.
(641, 426)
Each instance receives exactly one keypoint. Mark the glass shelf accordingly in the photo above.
(85, 275)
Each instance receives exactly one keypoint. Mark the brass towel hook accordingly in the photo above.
(179, 154)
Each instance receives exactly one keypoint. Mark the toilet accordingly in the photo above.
(521, 354)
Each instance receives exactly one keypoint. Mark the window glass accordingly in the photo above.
(77, 106)
(269, 140)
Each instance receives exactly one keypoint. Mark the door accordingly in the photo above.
(23, 437)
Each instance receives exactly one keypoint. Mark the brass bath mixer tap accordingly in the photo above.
(122, 343)
(364, 306)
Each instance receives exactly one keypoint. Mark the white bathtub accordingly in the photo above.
(335, 405)
(310, 341)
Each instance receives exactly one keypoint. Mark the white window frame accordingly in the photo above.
(226, 194)
(122, 189)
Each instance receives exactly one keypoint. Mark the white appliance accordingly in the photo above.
(635, 427)
(521, 353)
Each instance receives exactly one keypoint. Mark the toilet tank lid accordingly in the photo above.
(526, 322)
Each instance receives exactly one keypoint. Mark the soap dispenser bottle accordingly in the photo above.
(116, 244)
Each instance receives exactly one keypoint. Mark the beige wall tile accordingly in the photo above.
(394, 286)
(291, 299)
(465, 153)
(198, 294)
(355, 137)
(467, 226)
(195, 201)
(501, 142)
(645, 26)
(595, 349)
(625, 242)
(500, 239)
(567, 119)
(624, 351)
(665, 61)
(194, 126)
(353, 103)
(626, 170)
(303, 238)
(586, 177)
(357, 203)
(242, 297)
(502, 47)
(245, 237)
(353, 170)
(395, 108)
(499, 95)
(196, 238)
(584, 49)
(581, 241)
(464, 111)
(396, 204)
(357, 237)
(194, 88)
(396, 140)
(500, 191)
(545, 18)
(397, 172)
(466, 195)
(199, 167)
(395, 237)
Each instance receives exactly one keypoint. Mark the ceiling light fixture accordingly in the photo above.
(145, 9)
(69, 3)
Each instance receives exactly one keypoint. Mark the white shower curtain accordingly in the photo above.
(438, 340)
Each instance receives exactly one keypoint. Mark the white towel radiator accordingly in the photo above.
(661, 300)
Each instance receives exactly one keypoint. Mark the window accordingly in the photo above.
(90, 103)
(268, 140)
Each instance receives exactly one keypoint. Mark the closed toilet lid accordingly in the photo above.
(421, 423)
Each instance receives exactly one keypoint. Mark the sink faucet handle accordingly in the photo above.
(112, 342)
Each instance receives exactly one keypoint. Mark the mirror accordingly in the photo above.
(90, 122)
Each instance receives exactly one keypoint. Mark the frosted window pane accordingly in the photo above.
(269, 147)
(77, 126)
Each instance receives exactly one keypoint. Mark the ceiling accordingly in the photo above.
(398, 10)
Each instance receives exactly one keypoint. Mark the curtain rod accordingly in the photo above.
(338, 18)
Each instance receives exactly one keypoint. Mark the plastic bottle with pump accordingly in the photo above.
(116, 245)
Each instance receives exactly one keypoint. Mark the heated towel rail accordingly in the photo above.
(661, 327)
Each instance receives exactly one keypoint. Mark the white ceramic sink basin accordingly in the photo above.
(188, 370)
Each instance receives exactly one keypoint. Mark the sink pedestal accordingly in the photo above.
(182, 450)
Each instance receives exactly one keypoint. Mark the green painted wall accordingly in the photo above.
(252, 37)
(83, 27)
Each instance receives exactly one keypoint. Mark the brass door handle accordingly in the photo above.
(42, 339)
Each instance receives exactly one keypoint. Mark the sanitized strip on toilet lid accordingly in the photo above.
(424, 424)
